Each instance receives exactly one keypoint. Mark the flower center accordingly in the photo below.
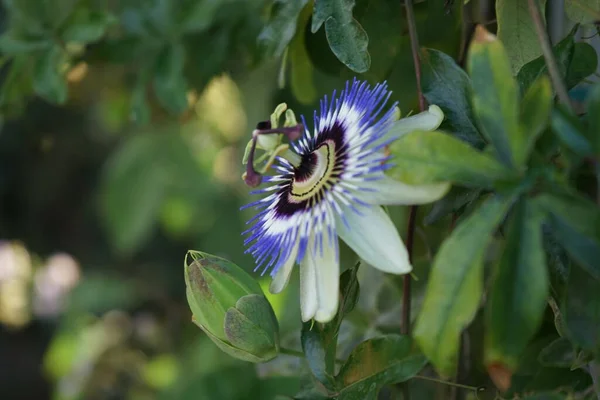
(313, 173)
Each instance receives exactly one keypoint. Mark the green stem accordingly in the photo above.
(555, 76)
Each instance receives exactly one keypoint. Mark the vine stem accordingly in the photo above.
(415, 49)
(540, 30)
(412, 217)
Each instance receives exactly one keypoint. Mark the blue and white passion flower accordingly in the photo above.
(330, 183)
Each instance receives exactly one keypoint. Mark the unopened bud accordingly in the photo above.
(230, 307)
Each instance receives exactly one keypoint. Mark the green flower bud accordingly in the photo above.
(230, 307)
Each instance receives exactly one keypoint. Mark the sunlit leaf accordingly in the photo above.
(519, 288)
(455, 285)
(425, 157)
(495, 95)
(375, 363)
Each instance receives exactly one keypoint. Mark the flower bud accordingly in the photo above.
(230, 307)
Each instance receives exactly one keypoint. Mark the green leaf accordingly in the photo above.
(575, 62)
(169, 81)
(281, 27)
(11, 43)
(315, 351)
(593, 118)
(545, 396)
(136, 178)
(575, 223)
(519, 289)
(384, 21)
(583, 11)
(583, 64)
(85, 26)
(559, 353)
(427, 157)
(133, 192)
(517, 32)
(302, 69)
(349, 290)
(536, 107)
(319, 341)
(495, 95)
(570, 131)
(448, 86)
(48, 80)
(375, 363)
(346, 37)
(563, 53)
(456, 284)
(581, 310)
(453, 202)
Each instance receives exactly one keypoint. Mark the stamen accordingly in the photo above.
(292, 132)
(252, 178)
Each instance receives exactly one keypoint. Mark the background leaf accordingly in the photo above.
(582, 11)
(169, 82)
(516, 31)
(446, 85)
(279, 31)
(48, 80)
(347, 38)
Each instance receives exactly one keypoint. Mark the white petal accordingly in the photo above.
(375, 239)
(282, 276)
(308, 288)
(388, 191)
(425, 121)
(319, 282)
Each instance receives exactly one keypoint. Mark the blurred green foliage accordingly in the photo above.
(124, 123)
